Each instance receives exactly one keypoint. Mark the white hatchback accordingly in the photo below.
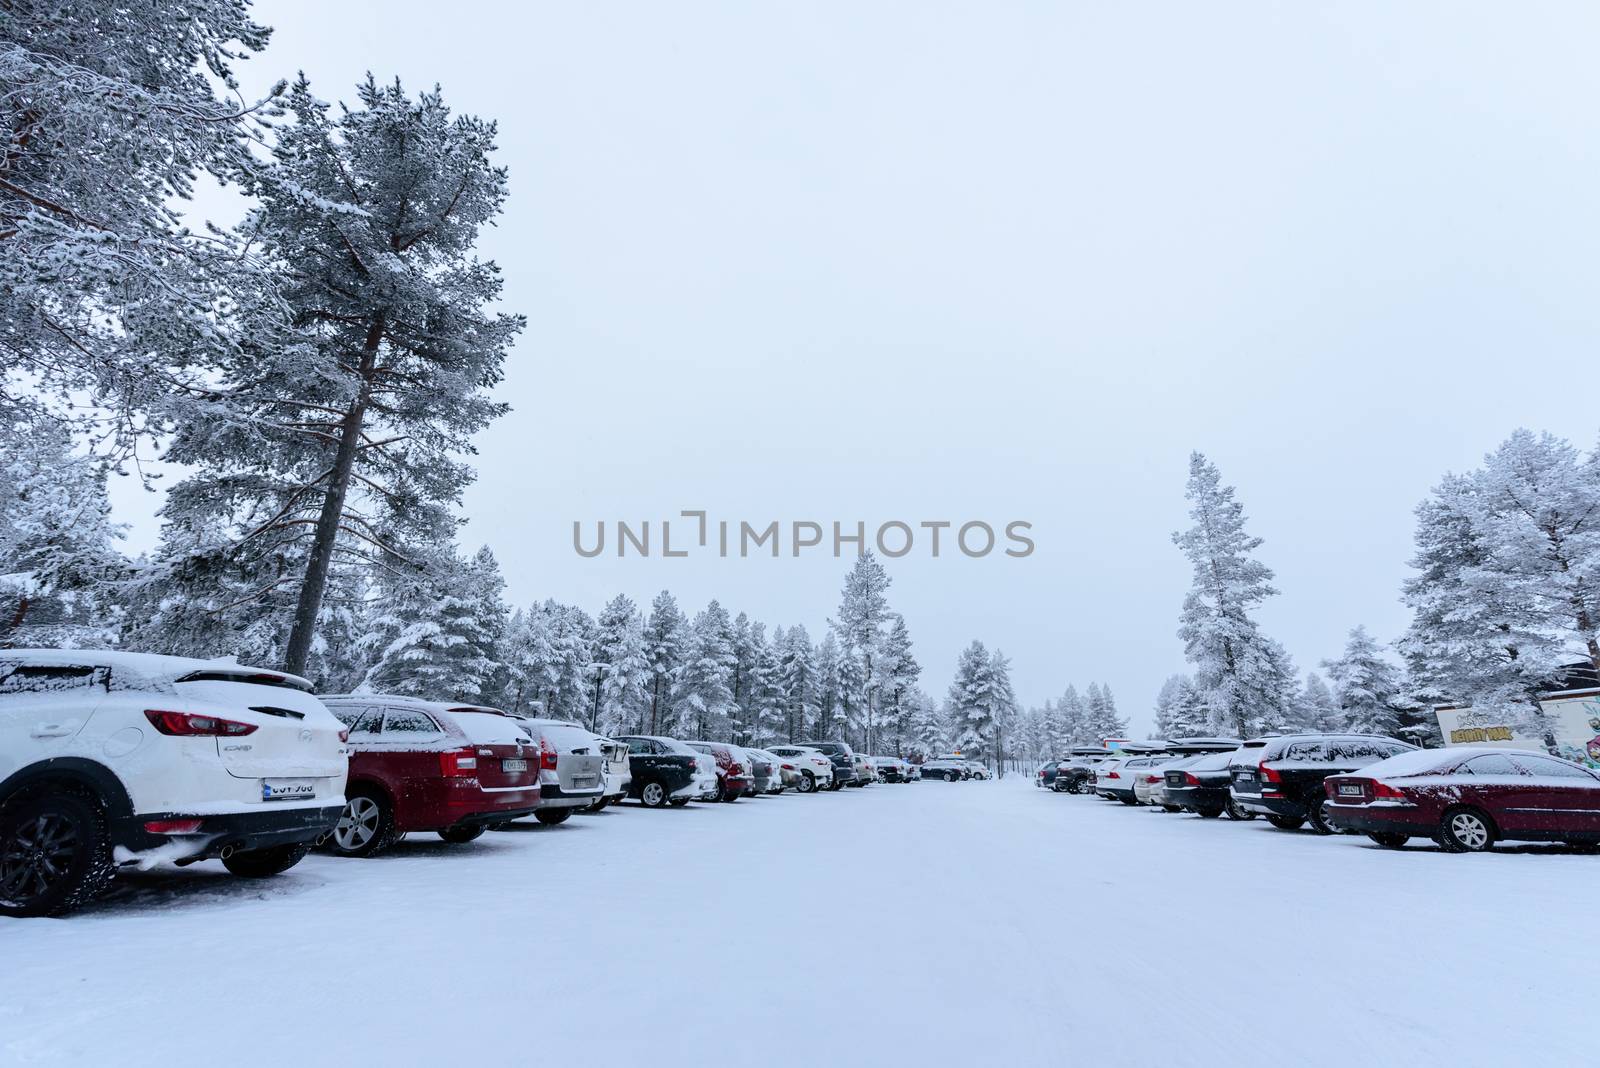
(813, 766)
(110, 759)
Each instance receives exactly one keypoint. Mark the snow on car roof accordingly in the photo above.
(140, 671)
(1424, 761)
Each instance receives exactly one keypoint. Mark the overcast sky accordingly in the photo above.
(1008, 261)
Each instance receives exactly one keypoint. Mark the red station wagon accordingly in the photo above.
(1466, 799)
(423, 766)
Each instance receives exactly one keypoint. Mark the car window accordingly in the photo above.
(1550, 768)
(408, 722)
(28, 678)
(641, 745)
(1492, 764)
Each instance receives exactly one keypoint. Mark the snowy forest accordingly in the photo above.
(317, 371)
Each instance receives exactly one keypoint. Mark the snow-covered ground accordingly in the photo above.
(984, 922)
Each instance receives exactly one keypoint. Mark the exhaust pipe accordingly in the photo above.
(227, 852)
(322, 839)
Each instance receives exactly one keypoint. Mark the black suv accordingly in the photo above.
(1283, 781)
(662, 770)
(844, 761)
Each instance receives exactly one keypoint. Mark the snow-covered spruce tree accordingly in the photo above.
(862, 624)
(1002, 711)
(58, 551)
(338, 439)
(1238, 669)
(1101, 719)
(1074, 717)
(435, 632)
(798, 683)
(971, 702)
(1174, 706)
(703, 694)
(899, 673)
(111, 112)
(665, 634)
(766, 690)
(619, 669)
(530, 658)
(1366, 687)
(928, 726)
(830, 721)
(741, 710)
(1320, 712)
(1508, 585)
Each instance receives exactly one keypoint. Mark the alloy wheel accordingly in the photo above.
(37, 857)
(358, 823)
(1469, 829)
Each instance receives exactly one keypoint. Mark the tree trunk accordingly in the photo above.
(327, 529)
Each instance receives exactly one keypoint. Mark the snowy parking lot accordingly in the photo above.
(982, 921)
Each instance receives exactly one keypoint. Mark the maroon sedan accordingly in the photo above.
(733, 776)
(1468, 799)
(416, 765)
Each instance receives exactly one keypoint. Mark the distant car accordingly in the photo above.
(764, 772)
(1046, 775)
(843, 758)
(1148, 778)
(733, 775)
(950, 769)
(572, 769)
(453, 769)
(109, 757)
(812, 765)
(1466, 799)
(785, 773)
(865, 773)
(1285, 782)
(619, 773)
(665, 771)
(888, 768)
(913, 772)
(1075, 775)
(1200, 784)
(978, 770)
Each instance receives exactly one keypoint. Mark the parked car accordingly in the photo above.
(950, 769)
(1200, 784)
(733, 775)
(1116, 780)
(977, 770)
(415, 765)
(913, 772)
(1075, 775)
(1285, 782)
(865, 774)
(1046, 775)
(572, 769)
(1148, 776)
(1466, 799)
(764, 772)
(666, 771)
(888, 768)
(812, 765)
(618, 775)
(108, 758)
(843, 758)
(785, 773)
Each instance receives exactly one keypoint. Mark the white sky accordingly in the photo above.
(1011, 261)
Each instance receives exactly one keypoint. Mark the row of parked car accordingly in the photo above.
(111, 759)
(1464, 798)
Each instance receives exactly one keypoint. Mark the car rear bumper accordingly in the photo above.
(1379, 819)
(553, 796)
(1195, 798)
(1270, 806)
(239, 832)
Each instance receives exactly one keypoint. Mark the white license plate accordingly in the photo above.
(513, 765)
(287, 789)
(1350, 790)
(580, 782)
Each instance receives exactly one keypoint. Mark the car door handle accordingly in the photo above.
(54, 730)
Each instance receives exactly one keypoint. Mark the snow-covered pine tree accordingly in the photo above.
(1101, 720)
(741, 710)
(1074, 715)
(664, 639)
(428, 636)
(1237, 668)
(1320, 711)
(531, 659)
(58, 552)
(798, 683)
(1002, 712)
(928, 726)
(112, 110)
(339, 437)
(862, 625)
(619, 669)
(1170, 706)
(766, 690)
(1366, 687)
(899, 673)
(830, 719)
(703, 694)
(971, 702)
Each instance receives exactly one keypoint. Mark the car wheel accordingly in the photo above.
(1237, 811)
(552, 817)
(1317, 814)
(1286, 823)
(55, 855)
(366, 826)
(1465, 830)
(461, 835)
(1389, 839)
(654, 795)
(265, 863)
(1210, 812)
(807, 783)
(1128, 800)
(1075, 787)
(1172, 808)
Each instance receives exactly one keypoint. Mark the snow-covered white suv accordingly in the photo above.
(110, 759)
(816, 770)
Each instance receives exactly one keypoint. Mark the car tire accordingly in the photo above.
(807, 783)
(1172, 808)
(366, 826)
(654, 795)
(1075, 787)
(265, 863)
(1317, 816)
(1128, 800)
(1465, 830)
(462, 835)
(68, 829)
(1210, 812)
(1389, 839)
(1286, 823)
(553, 817)
(1237, 811)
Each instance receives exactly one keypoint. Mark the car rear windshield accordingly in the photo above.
(831, 748)
(487, 728)
(1339, 751)
(567, 738)
(1215, 762)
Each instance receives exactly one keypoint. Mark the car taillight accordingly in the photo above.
(194, 725)
(457, 762)
(788, 767)
(344, 736)
(547, 754)
(172, 826)
(1190, 780)
(1384, 790)
(1112, 775)
(1269, 774)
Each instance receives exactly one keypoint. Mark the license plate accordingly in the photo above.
(1247, 776)
(579, 782)
(1350, 790)
(513, 765)
(287, 789)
